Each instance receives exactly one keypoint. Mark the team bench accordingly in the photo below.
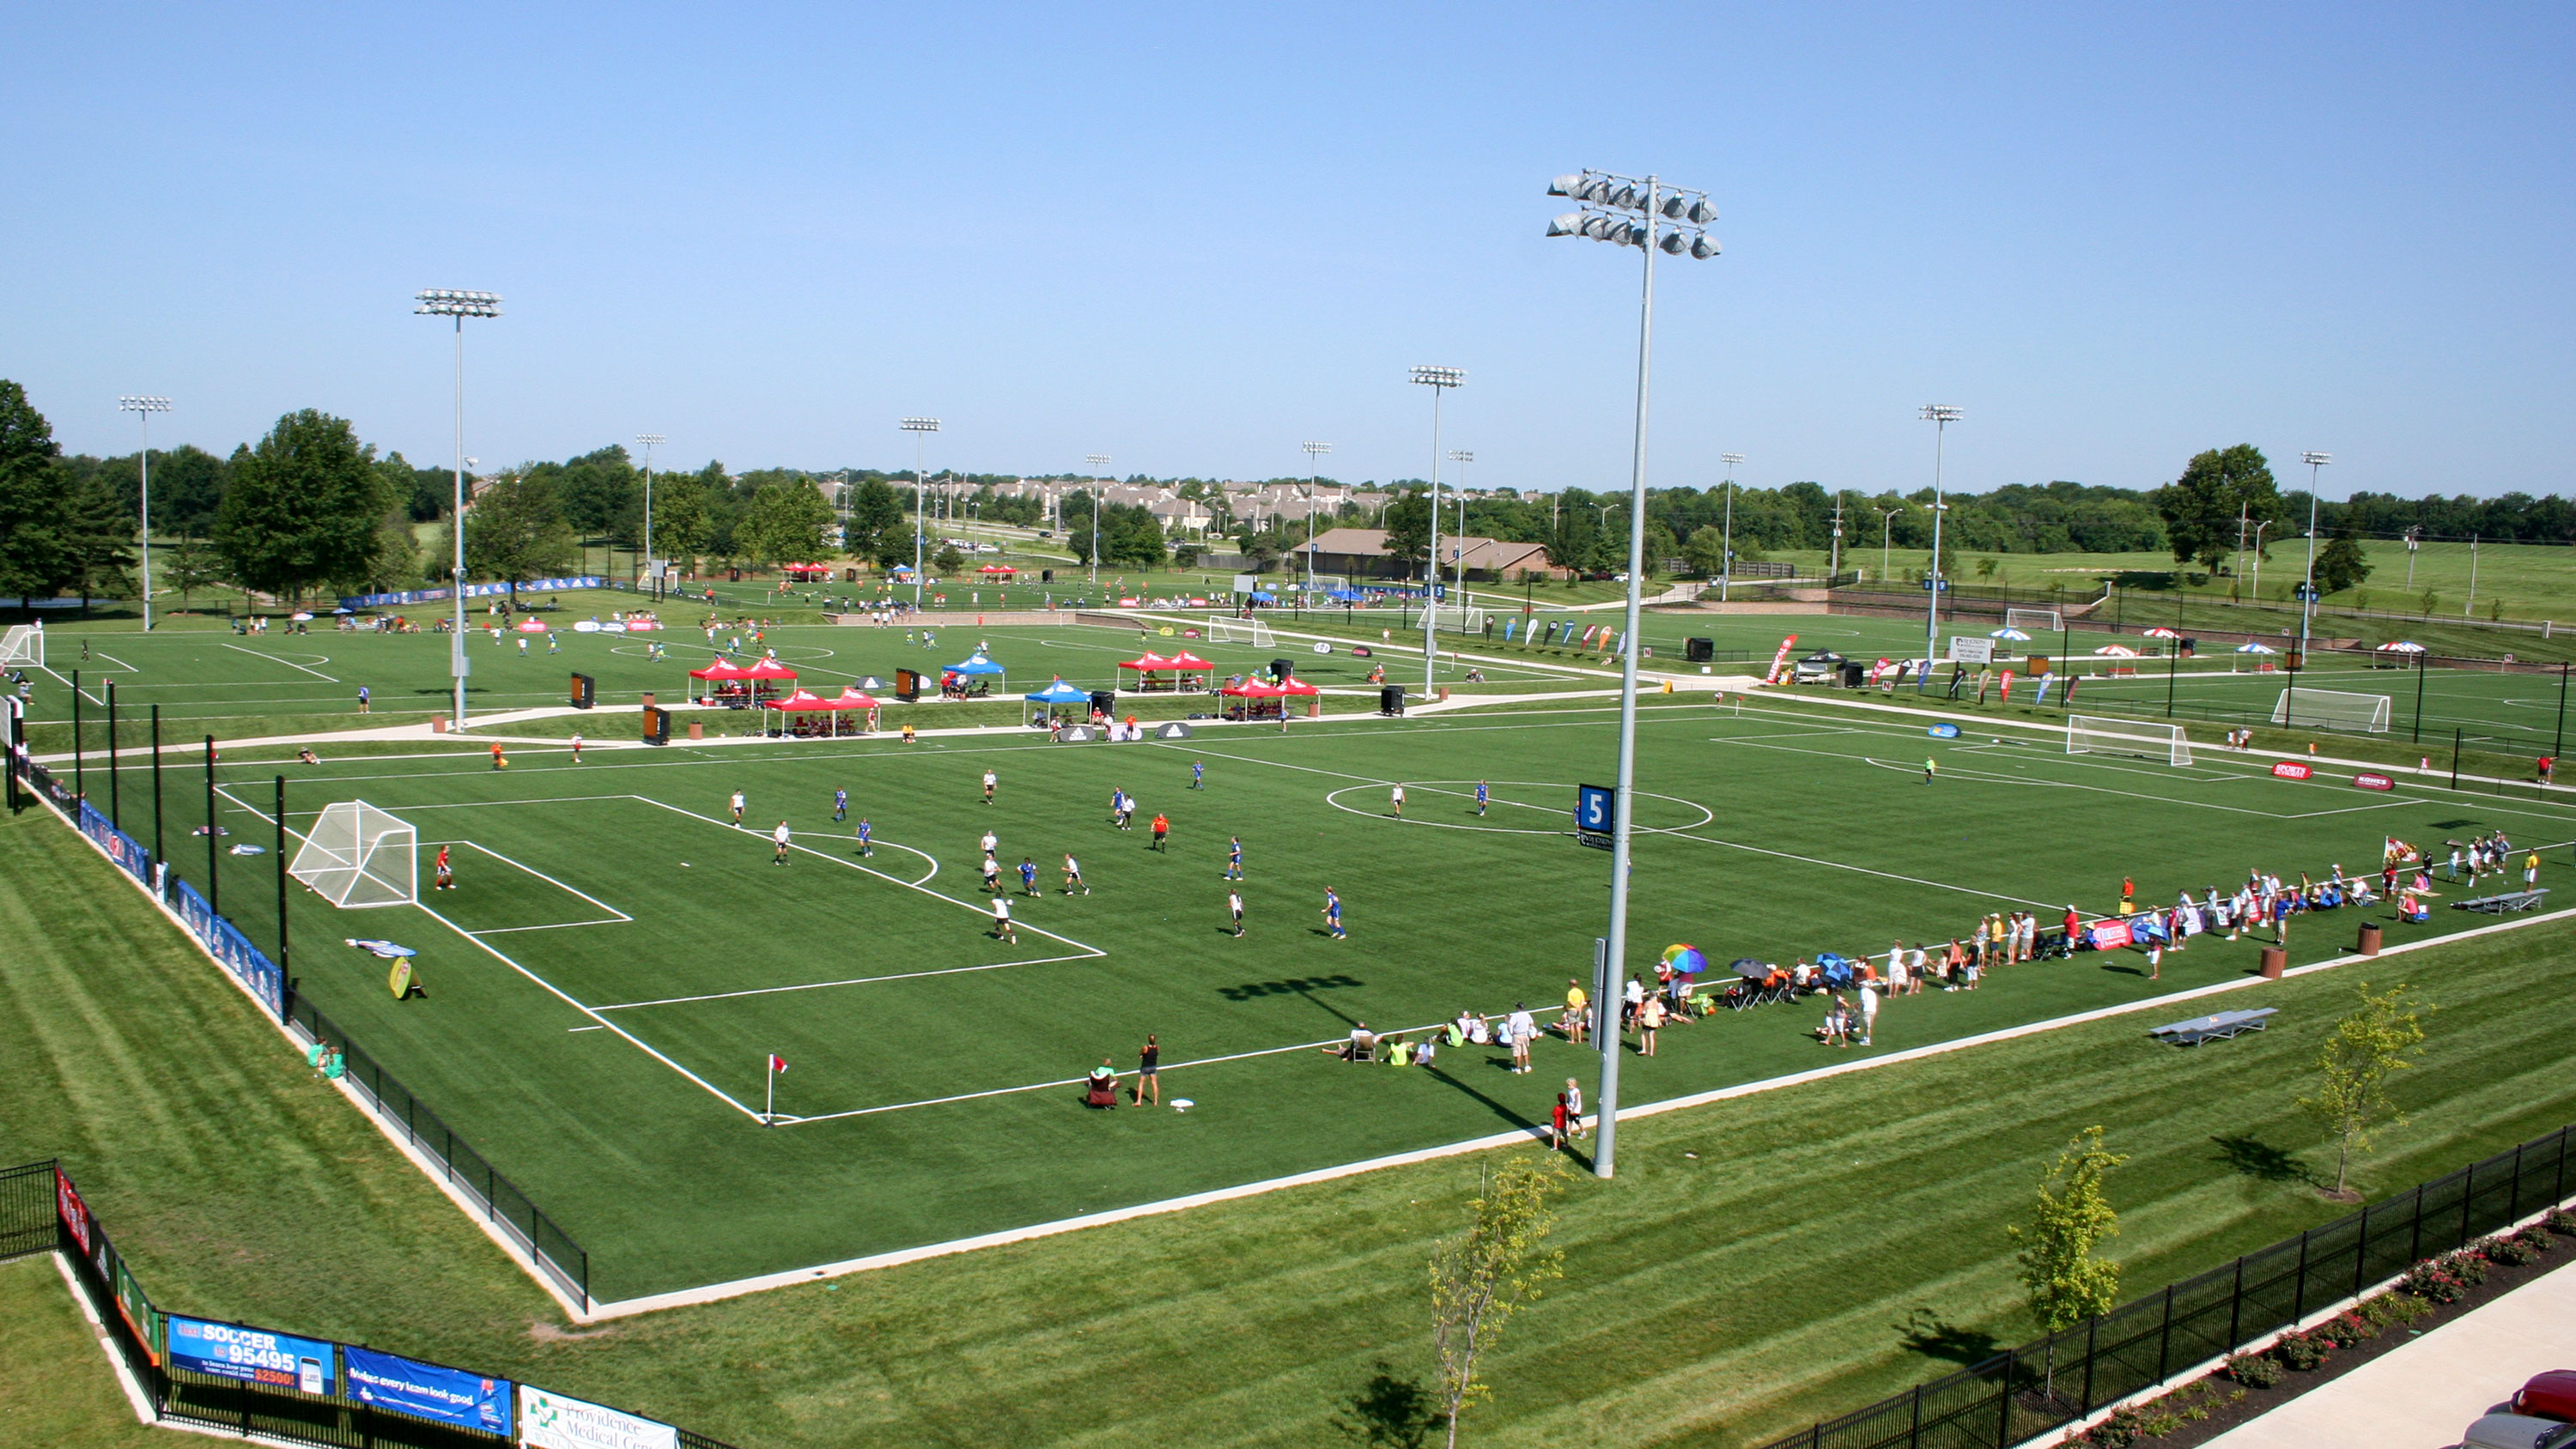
(2224, 1024)
(2497, 905)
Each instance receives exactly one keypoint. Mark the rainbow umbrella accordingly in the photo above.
(1685, 960)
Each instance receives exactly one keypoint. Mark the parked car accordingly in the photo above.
(2518, 1431)
(1822, 667)
(2548, 1396)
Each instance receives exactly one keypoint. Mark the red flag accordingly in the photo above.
(777, 1063)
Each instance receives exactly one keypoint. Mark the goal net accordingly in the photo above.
(357, 855)
(1459, 620)
(1224, 630)
(2330, 709)
(2028, 619)
(2088, 735)
(24, 644)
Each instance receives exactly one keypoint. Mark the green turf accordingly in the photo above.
(1774, 836)
(56, 1386)
(1825, 1244)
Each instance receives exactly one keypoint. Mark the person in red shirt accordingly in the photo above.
(2072, 922)
(1162, 830)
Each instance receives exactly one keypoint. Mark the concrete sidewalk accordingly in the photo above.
(2425, 1394)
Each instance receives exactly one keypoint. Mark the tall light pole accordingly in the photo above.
(1726, 570)
(1630, 213)
(447, 302)
(1940, 416)
(1886, 533)
(1099, 494)
(1458, 547)
(1314, 450)
(2307, 587)
(921, 429)
(2258, 558)
(1439, 380)
(652, 564)
(1834, 565)
(143, 408)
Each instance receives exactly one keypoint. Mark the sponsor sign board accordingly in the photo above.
(428, 1390)
(2374, 782)
(2108, 935)
(1245, 583)
(1596, 815)
(1943, 732)
(2292, 770)
(249, 1355)
(75, 1213)
(1970, 649)
(552, 1421)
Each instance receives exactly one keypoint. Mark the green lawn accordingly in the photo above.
(56, 1386)
(1757, 1263)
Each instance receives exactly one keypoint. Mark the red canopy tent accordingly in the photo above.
(1255, 689)
(769, 668)
(1147, 665)
(1186, 660)
(997, 569)
(719, 671)
(1293, 685)
(806, 701)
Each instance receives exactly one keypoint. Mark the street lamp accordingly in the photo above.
(652, 563)
(920, 428)
(2307, 587)
(1940, 416)
(1634, 213)
(143, 408)
(448, 302)
(1096, 461)
(1886, 532)
(1439, 380)
(1313, 451)
(1726, 569)
(1458, 549)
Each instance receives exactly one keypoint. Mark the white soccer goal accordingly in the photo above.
(357, 855)
(2030, 619)
(24, 644)
(1225, 630)
(1457, 619)
(2088, 735)
(2333, 710)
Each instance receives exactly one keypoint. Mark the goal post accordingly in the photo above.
(1225, 630)
(2331, 709)
(2095, 735)
(359, 856)
(24, 644)
(2049, 620)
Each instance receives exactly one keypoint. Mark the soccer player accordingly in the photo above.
(840, 806)
(1162, 831)
(1234, 859)
(1198, 774)
(989, 782)
(990, 842)
(1126, 811)
(1333, 914)
(737, 807)
(1234, 904)
(1117, 803)
(523, 646)
(1398, 798)
(499, 761)
(992, 875)
(1930, 766)
(1028, 876)
(1480, 799)
(362, 699)
(780, 836)
(864, 847)
(1002, 920)
(576, 749)
(445, 874)
(1073, 876)
(554, 642)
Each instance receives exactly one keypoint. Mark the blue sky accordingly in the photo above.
(1192, 237)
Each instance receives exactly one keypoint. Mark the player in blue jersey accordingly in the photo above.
(1480, 799)
(1028, 876)
(840, 805)
(1198, 774)
(864, 848)
(1333, 914)
(1234, 859)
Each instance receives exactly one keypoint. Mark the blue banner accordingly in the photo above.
(428, 1391)
(250, 1355)
(1944, 731)
(230, 947)
(472, 591)
(120, 847)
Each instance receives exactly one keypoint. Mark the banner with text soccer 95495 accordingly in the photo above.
(250, 1355)
(552, 1421)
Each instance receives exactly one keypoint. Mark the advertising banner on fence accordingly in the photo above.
(250, 1355)
(2107, 935)
(472, 591)
(551, 1421)
(136, 1308)
(2292, 770)
(75, 1213)
(428, 1390)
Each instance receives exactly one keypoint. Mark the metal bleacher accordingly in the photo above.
(2218, 1026)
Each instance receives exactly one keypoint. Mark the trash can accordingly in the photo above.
(2275, 959)
(1852, 675)
(2368, 945)
(697, 729)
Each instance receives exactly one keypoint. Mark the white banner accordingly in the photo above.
(1969, 649)
(551, 1421)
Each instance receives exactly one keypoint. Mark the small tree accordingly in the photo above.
(948, 560)
(2354, 1067)
(2066, 1283)
(1478, 1279)
(191, 567)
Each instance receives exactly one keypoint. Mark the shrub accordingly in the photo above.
(2347, 1328)
(2390, 1310)
(2512, 1252)
(2537, 1238)
(2560, 1221)
(2254, 1370)
(2119, 1429)
(2302, 1351)
(2448, 1278)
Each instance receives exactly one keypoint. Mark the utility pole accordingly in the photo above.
(1099, 495)
(1726, 570)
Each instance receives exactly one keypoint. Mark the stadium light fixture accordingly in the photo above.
(1440, 380)
(1653, 217)
(921, 429)
(459, 305)
(1726, 568)
(652, 564)
(143, 407)
(1940, 416)
(1314, 450)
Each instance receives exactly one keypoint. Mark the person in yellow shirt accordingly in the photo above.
(1577, 1009)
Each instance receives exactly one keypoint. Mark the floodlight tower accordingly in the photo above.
(1633, 213)
(2308, 584)
(448, 302)
(1940, 416)
(920, 428)
(1098, 496)
(1726, 570)
(652, 563)
(1439, 380)
(143, 408)
(1314, 450)
(1458, 546)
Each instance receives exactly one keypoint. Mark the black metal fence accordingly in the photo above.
(2052, 1382)
(41, 1210)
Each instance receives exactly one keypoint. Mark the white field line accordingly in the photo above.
(715, 1292)
(119, 663)
(550, 880)
(289, 663)
(852, 981)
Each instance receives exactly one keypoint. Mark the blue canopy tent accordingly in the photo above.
(1264, 596)
(956, 677)
(975, 664)
(1059, 693)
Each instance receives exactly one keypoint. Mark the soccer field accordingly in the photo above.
(618, 960)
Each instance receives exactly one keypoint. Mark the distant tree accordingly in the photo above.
(948, 560)
(684, 513)
(2368, 1048)
(190, 567)
(785, 523)
(2340, 564)
(1185, 552)
(515, 531)
(1408, 532)
(187, 491)
(599, 489)
(1479, 1279)
(877, 528)
(34, 559)
(1261, 550)
(99, 535)
(301, 508)
(1705, 551)
(2202, 509)
(1140, 540)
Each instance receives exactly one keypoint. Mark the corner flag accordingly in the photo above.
(769, 1080)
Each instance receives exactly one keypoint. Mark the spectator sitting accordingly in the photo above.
(1422, 1052)
(1361, 1047)
(1102, 1087)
